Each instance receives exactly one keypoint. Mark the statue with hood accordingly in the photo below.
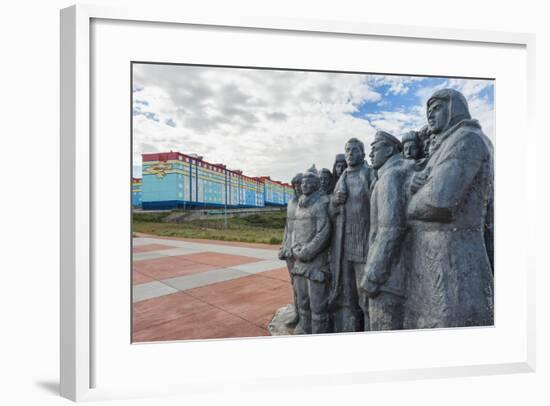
(450, 283)
(309, 240)
(285, 252)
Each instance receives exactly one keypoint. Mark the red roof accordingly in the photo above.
(169, 156)
(160, 156)
(267, 178)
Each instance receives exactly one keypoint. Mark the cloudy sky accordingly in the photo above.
(278, 123)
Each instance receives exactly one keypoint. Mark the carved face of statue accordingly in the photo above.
(411, 150)
(326, 180)
(354, 154)
(379, 154)
(310, 183)
(438, 116)
(297, 187)
(339, 168)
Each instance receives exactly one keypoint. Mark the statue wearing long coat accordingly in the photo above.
(349, 249)
(450, 283)
(285, 253)
(311, 273)
(387, 266)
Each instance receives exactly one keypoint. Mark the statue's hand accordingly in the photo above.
(283, 253)
(341, 197)
(420, 164)
(300, 253)
(372, 288)
(369, 286)
(295, 251)
(418, 180)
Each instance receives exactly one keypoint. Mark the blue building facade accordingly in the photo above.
(174, 180)
(136, 192)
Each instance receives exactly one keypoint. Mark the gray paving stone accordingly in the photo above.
(269, 261)
(141, 256)
(204, 278)
(137, 242)
(258, 267)
(259, 253)
(150, 290)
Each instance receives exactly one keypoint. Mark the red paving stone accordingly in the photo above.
(280, 274)
(179, 265)
(181, 317)
(215, 242)
(152, 312)
(150, 248)
(238, 308)
(220, 260)
(138, 278)
(170, 267)
(254, 298)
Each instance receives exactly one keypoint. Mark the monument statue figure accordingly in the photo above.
(350, 210)
(310, 238)
(424, 135)
(285, 252)
(450, 282)
(413, 148)
(339, 166)
(313, 169)
(327, 181)
(385, 272)
(490, 229)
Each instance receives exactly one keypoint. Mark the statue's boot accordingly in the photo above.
(292, 322)
(320, 323)
(304, 324)
(366, 322)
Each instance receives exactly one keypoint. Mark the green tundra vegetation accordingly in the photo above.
(263, 227)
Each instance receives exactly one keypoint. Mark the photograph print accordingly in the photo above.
(286, 202)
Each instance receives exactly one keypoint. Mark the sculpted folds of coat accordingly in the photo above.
(404, 243)
(451, 283)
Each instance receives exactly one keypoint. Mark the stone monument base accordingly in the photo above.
(278, 325)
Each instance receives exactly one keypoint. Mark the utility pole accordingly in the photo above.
(225, 205)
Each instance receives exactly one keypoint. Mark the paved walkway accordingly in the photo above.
(199, 289)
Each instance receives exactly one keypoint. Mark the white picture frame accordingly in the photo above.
(78, 352)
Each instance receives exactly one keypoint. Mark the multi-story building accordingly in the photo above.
(175, 180)
(136, 192)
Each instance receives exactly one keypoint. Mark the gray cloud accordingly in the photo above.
(146, 147)
(277, 116)
(265, 122)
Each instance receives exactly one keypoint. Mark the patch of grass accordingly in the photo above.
(267, 220)
(148, 217)
(267, 228)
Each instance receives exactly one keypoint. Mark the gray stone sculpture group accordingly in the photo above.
(403, 243)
